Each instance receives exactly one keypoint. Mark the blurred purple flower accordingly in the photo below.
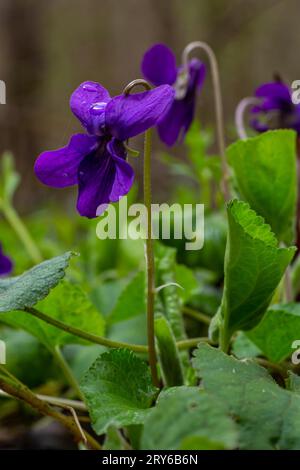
(96, 161)
(159, 66)
(6, 264)
(275, 109)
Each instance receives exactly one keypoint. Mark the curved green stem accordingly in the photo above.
(191, 343)
(9, 376)
(16, 223)
(271, 365)
(84, 335)
(218, 105)
(190, 312)
(185, 344)
(67, 371)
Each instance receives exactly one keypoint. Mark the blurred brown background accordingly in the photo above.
(49, 47)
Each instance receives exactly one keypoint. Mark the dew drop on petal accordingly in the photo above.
(97, 108)
(89, 87)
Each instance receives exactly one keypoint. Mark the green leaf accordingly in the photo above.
(277, 331)
(26, 290)
(67, 303)
(9, 178)
(268, 416)
(254, 267)
(266, 175)
(188, 418)
(131, 301)
(168, 353)
(118, 390)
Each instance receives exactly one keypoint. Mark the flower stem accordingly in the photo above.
(191, 343)
(16, 223)
(84, 335)
(218, 105)
(271, 365)
(150, 259)
(190, 312)
(67, 371)
(185, 344)
(224, 339)
(23, 393)
(149, 242)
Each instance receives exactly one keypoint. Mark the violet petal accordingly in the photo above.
(103, 178)
(124, 176)
(130, 115)
(159, 65)
(177, 121)
(87, 95)
(59, 168)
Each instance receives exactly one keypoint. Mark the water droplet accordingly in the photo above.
(89, 87)
(65, 175)
(233, 371)
(98, 108)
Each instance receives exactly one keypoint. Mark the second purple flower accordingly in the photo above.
(159, 66)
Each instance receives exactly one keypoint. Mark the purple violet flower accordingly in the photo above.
(6, 265)
(275, 109)
(96, 161)
(159, 67)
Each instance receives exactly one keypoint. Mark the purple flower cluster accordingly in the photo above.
(159, 67)
(6, 264)
(275, 108)
(96, 160)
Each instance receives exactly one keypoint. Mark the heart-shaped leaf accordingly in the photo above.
(267, 415)
(188, 418)
(118, 390)
(254, 267)
(277, 331)
(266, 176)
